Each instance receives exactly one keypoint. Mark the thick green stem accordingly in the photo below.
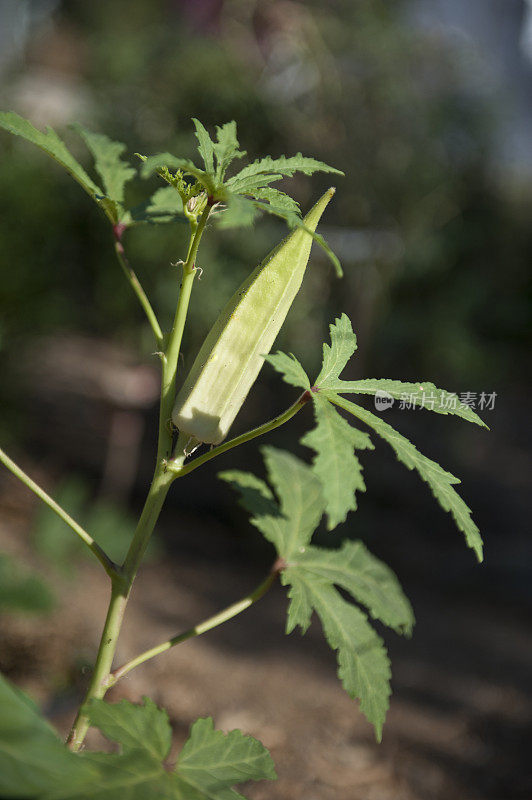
(100, 554)
(161, 482)
(98, 687)
(150, 514)
(179, 469)
(119, 598)
(171, 354)
(207, 625)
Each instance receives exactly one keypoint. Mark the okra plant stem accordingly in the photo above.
(207, 625)
(146, 524)
(121, 589)
(173, 345)
(162, 479)
(101, 555)
(104, 660)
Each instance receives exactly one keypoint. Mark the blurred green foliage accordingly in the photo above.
(22, 590)
(109, 523)
(396, 107)
(435, 240)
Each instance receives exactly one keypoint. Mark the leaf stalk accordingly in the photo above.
(207, 625)
(179, 469)
(110, 567)
(135, 284)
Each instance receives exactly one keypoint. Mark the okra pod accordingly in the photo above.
(231, 356)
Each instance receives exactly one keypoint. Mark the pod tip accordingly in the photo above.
(331, 190)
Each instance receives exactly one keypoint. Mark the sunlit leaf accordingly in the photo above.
(226, 148)
(50, 142)
(336, 465)
(205, 145)
(113, 171)
(413, 395)
(313, 575)
(337, 354)
(440, 481)
(284, 166)
(290, 369)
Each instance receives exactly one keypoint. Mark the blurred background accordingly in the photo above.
(427, 107)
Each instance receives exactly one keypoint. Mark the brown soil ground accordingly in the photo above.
(459, 713)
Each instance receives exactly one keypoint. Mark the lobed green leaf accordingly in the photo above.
(114, 172)
(211, 762)
(440, 481)
(421, 395)
(238, 199)
(134, 727)
(312, 575)
(278, 199)
(33, 759)
(205, 146)
(226, 148)
(269, 168)
(337, 354)
(50, 142)
(334, 440)
(367, 579)
(290, 368)
(363, 665)
(335, 463)
(288, 526)
(34, 763)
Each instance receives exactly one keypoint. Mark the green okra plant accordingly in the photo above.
(194, 422)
